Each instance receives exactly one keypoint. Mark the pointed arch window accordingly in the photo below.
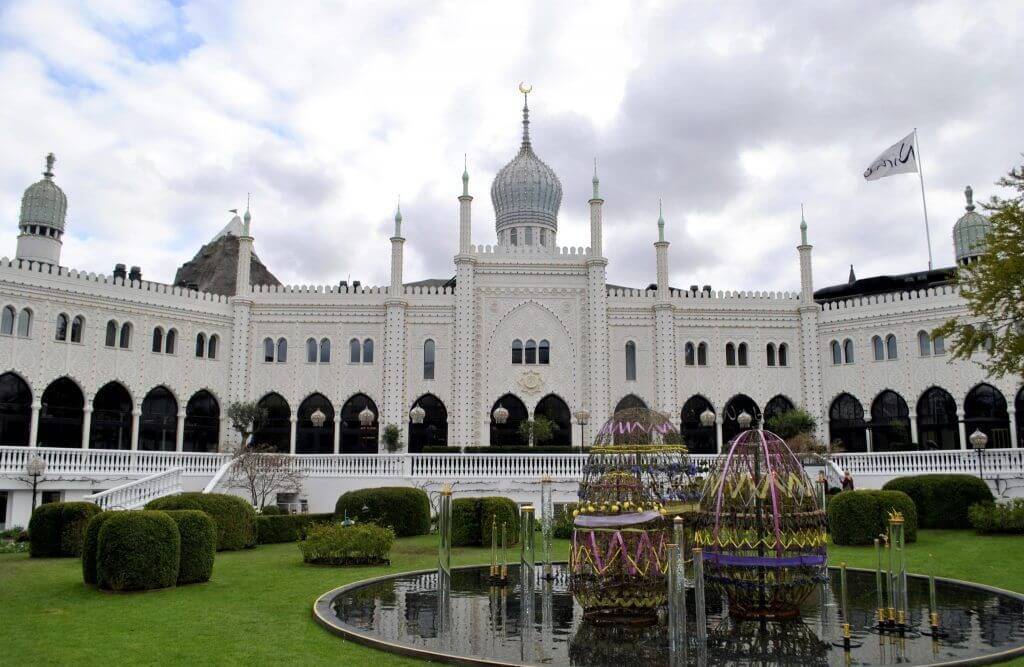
(7, 321)
(544, 352)
(730, 354)
(531, 351)
(517, 351)
(783, 354)
(770, 353)
(111, 338)
(428, 359)
(702, 354)
(268, 349)
(837, 353)
(171, 341)
(890, 347)
(939, 345)
(200, 345)
(368, 351)
(848, 351)
(126, 336)
(689, 354)
(742, 354)
(62, 327)
(158, 340)
(77, 326)
(924, 343)
(325, 350)
(878, 348)
(311, 350)
(354, 351)
(630, 361)
(25, 323)
(211, 348)
(282, 350)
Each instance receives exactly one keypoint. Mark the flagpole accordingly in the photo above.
(924, 203)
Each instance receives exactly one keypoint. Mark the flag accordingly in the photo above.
(900, 158)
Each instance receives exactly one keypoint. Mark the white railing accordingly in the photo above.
(522, 466)
(994, 462)
(352, 465)
(109, 461)
(218, 476)
(138, 492)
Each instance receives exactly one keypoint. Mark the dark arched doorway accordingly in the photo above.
(158, 425)
(937, 426)
(111, 425)
(846, 425)
(985, 411)
(507, 434)
(202, 423)
(699, 439)
(275, 429)
(736, 406)
(890, 423)
(779, 405)
(356, 438)
(555, 409)
(60, 418)
(310, 438)
(433, 431)
(15, 411)
(630, 401)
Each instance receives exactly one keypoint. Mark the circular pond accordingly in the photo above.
(472, 622)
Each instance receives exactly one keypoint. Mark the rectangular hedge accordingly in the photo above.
(858, 517)
(942, 501)
(473, 518)
(274, 529)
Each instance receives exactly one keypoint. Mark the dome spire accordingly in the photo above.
(50, 159)
(595, 181)
(661, 222)
(803, 226)
(247, 218)
(525, 89)
(398, 217)
(465, 176)
(968, 192)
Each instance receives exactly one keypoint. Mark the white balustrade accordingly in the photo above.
(110, 461)
(138, 492)
(995, 462)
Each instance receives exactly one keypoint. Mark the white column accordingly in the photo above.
(337, 430)
(292, 436)
(1013, 427)
(913, 427)
(465, 220)
(718, 433)
(868, 435)
(222, 433)
(179, 434)
(963, 429)
(33, 431)
(136, 413)
(86, 422)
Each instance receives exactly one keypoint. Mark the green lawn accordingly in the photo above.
(257, 607)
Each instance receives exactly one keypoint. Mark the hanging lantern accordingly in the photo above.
(318, 418)
(500, 415)
(744, 420)
(707, 418)
(366, 417)
(417, 414)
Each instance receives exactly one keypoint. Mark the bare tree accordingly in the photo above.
(246, 418)
(261, 470)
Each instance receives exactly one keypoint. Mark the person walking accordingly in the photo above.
(847, 481)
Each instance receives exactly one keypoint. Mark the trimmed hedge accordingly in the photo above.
(942, 501)
(57, 529)
(235, 518)
(270, 510)
(466, 522)
(493, 511)
(90, 544)
(1004, 518)
(334, 544)
(138, 550)
(858, 517)
(198, 535)
(403, 509)
(274, 529)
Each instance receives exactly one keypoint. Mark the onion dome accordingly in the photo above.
(970, 231)
(43, 202)
(526, 191)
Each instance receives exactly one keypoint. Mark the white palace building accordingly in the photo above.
(122, 385)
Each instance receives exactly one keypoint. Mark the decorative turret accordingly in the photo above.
(41, 223)
(397, 243)
(595, 216)
(969, 232)
(661, 257)
(465, 211)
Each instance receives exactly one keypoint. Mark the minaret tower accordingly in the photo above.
(665, 330)
(810, 360)
(598, 397)
(465, 218)
(241, 310)
(394, 409)
(41, 223)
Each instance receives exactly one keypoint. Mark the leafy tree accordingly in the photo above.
(791, 423)
(993, 288)
(392, 438)
(537, 431)
(246, 418)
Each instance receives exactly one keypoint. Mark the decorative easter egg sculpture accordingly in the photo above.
(636, 468)
(761, 528)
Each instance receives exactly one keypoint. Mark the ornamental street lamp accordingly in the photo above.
(366, 417)
(582, 417)
(318, 418)
(417, 414)
(744, 419)
(978, 441)
(500, 414)
(35, 467)
(707, 418)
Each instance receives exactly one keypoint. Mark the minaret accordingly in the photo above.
(806, 278)
(41, 223)
(810, 360)
(242, 345)
(242, 272)
(596, 204)
(666, 387)
(465, 219)
(661, 252)
(394, 406)
(397, 243)
(598, 401)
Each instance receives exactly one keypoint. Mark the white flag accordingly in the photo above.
(900, 158)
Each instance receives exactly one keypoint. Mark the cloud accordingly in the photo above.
(163, 116)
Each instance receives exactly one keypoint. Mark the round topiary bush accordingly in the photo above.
(74, 519)
(198, 535)
(270, 510)
(90, 543)
(942, 501)
(858, 517)
(405, 510)
(57, 529)
(138, 551)
(465, 522)
(235, 518)
(495, 510)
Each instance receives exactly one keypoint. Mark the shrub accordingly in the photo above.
(57, 529)
(493, 511)
(858, 517)
(563, 525)
(271, 510)
(405, 510)
(198, 539)
(466, 522)
(942, 500)
(90, 544)
(791, 423)
(235, 518)
(1002, 518)
(287, 527)
(138, 551)
(334, 544)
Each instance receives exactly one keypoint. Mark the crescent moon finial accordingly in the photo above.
(525, 88)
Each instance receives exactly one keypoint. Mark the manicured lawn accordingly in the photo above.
(257, 608)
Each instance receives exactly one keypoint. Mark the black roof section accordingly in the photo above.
(905, 282)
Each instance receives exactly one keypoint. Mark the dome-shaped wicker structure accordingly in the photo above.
(761, 528)
(636, 475)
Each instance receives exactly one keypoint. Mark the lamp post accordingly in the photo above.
(978, 441)
(582, 417)
(35, 467)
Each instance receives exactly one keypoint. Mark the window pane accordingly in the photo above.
(783, 354)
(7, 321)
(848, 350)
(77, 325)
(268, 349)
(770, 353)
(876, 343)
(62, 327)
(544, 352)
(325, 350)
(940, 345)
(25, 323)
(172, 338)
(531, 351)
(428, 360)
(513, 236)
(688, 354)
(743, 354)
(158, 339)
(730, 355)
(311, 350)
(111, 340)
(630, 360)
(702, 354)
(282, 350)
(923, 343)
(517, 351)
(126, 335)
(890, 346)
(200, 345)
(368, 351)
(354, 351)
(212, 348)
(837, 355)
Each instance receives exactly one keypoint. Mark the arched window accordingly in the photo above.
(770, 353)
(62, 327)
(200, 345)
(846, 424)
(890, 423)
(630, 361)
(325, 350)
(689, 354)
(555, 410)
(837, 353)
(699, 439)
(268, 349)
(702, 354)
(517, 351)
(428, 360)
(354, 351)
(111, 339)
(25, 323)
(77, 326)
(126, 335)
(311, 350)
(508, 434)
(15, 411)
(355, 437)
(736, 406)
(783, 354)
(282, 350)
(433, 430)
(890, 346)
(742, 354)
(848, 351)
(878, 348)
(924, 343)
(940, 344)
(730, 354)
(544, 352)
(158, 340)
(211, 348)
(368, 351)
(276, 428)
(937, 422)
(7, 321)
(111, 424)
(310, 438)
(158, 425)
(202, 423)
(985, 410)
(171, 341)
(531, 351)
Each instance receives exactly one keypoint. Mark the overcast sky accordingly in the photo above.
(164, 115)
